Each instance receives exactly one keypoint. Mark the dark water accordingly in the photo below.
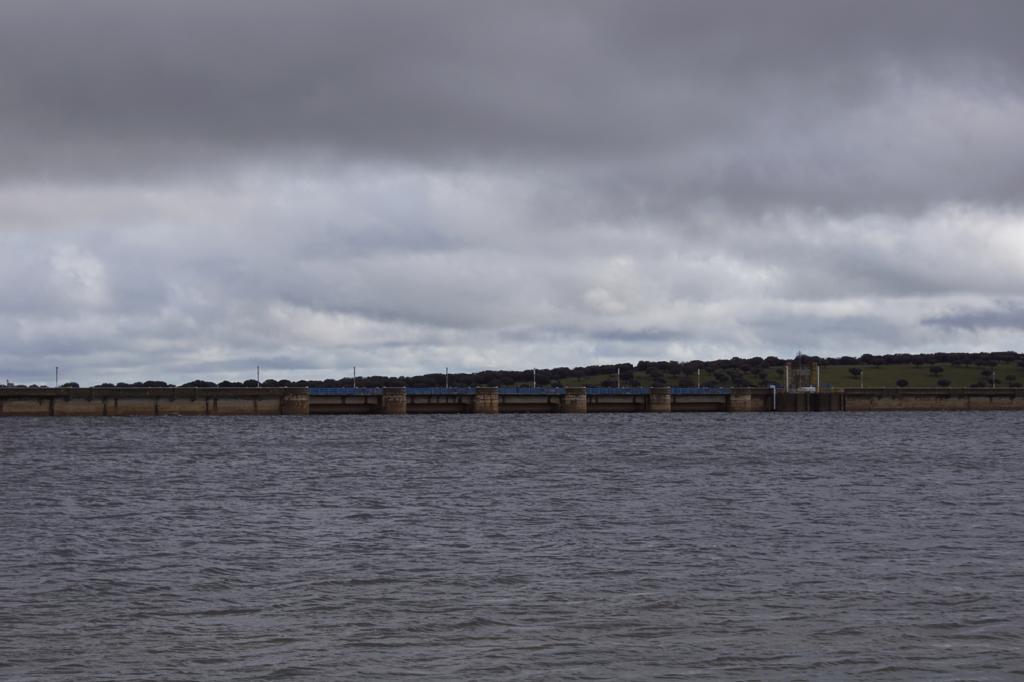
(586, 547)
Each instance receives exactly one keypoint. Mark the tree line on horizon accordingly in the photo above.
(736, 371)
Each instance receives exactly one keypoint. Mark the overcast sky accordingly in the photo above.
(189, 189)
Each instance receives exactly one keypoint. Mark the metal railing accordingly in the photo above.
(630, 390)
(347, 390)
(511, 390)
(460, 390)
(681, 390)
(529, 390)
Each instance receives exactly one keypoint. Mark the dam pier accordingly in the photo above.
(184, 401)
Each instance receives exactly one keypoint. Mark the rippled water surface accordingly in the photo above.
(813, 546)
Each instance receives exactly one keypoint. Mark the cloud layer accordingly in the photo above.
(191, 189)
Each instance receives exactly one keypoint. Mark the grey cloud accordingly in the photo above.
(850, 105)
(193, 188)
(1005, 315)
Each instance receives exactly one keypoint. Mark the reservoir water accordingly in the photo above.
(590, 547)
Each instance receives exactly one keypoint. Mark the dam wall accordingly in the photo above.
(124, 402)
(149, 402)
(878, 399)
(515, 400)
(932, 399)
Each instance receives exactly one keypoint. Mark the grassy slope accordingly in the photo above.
(838, 376)
(919, 376)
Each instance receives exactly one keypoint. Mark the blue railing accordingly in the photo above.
(347, 390)
(631, 390)
(679, 390)
(512, 390)
(526, 390)
(461, 390)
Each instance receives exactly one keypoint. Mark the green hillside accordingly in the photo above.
(933, 370)
(1007, 374)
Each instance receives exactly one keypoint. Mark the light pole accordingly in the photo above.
(353, 376)
(257, 376)
(56, 377)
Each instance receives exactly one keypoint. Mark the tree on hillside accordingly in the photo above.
(944, 382)
(936, 369)
(902, 383)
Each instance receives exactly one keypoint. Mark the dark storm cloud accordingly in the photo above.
(1005, 315)
(845, 105)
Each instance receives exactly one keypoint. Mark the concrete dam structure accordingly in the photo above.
(492, 400)
(135, 402)
(149, 402)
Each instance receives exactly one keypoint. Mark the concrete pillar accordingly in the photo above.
(575, 400)
(486, 400)
(393, 400)
(739, 400)
(660, 399)
(295, 403)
